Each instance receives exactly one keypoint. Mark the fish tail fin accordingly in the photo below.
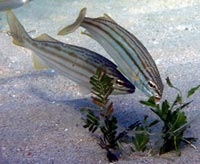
(17, 31)
(71, 28)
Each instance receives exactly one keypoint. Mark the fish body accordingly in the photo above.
(75, 63)
(132, 58)
(11, 4)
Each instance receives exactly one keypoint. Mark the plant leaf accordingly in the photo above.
(172, 86)
(192, 91)
(134, 125)
(169, 82)
(185, 105)
(151, 102)
(154, 123)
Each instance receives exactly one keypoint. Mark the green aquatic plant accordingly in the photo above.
(101, 120)
(142, 134)
(174, 119)
(102, 87)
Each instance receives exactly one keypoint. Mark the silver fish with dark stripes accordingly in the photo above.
(76, 63)
(132, 58)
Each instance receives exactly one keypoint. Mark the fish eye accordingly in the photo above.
(120, 83)
(151, 84)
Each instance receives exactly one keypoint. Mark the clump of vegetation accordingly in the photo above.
(142, 134)
(174, 119)
(101, 119)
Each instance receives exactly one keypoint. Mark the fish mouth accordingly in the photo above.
(157, 98)
(124, 86)
(132, 90)
(128, 90)
(130, 87)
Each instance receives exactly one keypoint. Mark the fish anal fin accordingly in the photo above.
(38, 63)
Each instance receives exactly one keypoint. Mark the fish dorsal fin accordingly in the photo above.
(107, 17)
(45, 37)
(38, 63)
(71, 28)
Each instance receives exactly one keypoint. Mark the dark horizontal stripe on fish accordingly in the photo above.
(146, 63)
(82, 51)
(72, 55)
(58, 67)
(62, 58)
(136, 42)
(62, 67)
(91, 58)
(124, 49)
(148, 57)
(141, 47)
(120, 55)
(116, 51)
(59, 64)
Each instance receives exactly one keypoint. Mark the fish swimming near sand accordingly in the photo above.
(130, 55)
(11, 4)
(75, 63)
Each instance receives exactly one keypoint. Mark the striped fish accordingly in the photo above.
(11, 4)
(132, 58)
(76, 63)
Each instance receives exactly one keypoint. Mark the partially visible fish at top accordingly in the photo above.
(11, 4)
(75, 63)
(132, 58)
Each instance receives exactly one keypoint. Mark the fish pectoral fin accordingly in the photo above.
(18, 43)
(71, 28)
(85, 32)
(45, 37)
(38, 63)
